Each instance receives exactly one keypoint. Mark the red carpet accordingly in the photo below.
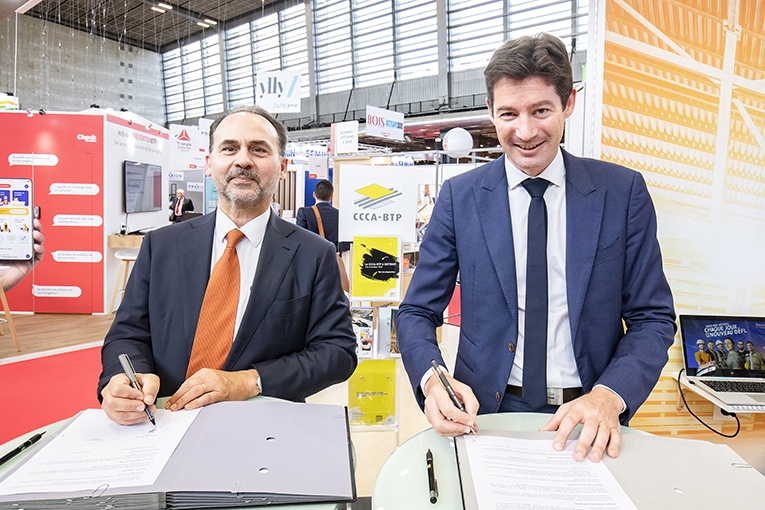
(36, 392)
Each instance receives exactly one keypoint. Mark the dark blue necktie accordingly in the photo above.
(535, 334)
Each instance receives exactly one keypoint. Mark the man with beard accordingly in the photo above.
(290, 340)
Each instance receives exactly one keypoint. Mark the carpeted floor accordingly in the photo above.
(44, 390)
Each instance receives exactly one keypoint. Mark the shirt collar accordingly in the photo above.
(555, 172)
(254, 230)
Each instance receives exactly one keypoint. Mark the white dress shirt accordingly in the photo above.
(561, 364)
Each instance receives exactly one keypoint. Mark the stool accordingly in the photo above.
(9, 320)
(126, 257)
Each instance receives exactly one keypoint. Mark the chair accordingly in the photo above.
(9, 320)
(126, 257)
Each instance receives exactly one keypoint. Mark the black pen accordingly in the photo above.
(20, 448)
(432, 484)
(448, 387)
(127, 367)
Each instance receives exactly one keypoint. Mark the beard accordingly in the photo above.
(263, 193)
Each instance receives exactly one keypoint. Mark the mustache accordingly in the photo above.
(242, 172)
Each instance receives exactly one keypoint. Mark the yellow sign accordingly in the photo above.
(372, 393)
(376, 269)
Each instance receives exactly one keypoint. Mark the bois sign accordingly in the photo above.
(385, 123)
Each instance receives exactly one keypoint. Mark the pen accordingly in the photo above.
(127, 366)
(432, 484)
(20, 448)
(448, 387)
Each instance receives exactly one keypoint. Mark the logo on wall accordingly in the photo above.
(279, 91)
(184, 136)
(375, 196)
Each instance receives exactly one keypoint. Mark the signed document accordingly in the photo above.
(509, 473)
(94, 453)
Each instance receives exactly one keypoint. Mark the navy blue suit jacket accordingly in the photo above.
(613, 274)
(296, 330)
(329, 219)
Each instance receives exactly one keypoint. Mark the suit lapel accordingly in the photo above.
(276, 256)
(584, 214)
(195, 251)
(494, 216)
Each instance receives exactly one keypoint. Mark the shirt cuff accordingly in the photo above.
(624, 404)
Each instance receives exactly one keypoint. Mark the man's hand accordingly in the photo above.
(208, 386)
(441, 412)
(599, 412)
(124, 404)
(20, 268)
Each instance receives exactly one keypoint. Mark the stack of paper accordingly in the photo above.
(226, 455)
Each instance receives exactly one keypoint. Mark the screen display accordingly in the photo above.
(725, 346)
(16, 241)
(143, 187)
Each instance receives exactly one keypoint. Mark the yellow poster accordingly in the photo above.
(372, 393)
(376, 268)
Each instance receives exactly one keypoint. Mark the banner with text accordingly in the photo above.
(377, 200)
(385, 123)
(278, 91)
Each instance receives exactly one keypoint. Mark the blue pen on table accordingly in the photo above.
(127, 367)
(20, 448)
(448, 387)
(432, 483)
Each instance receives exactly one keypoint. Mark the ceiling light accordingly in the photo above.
(203, 25)
(211, 22)
(157, 9)
(165, 6)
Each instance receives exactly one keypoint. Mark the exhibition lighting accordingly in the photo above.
(203, 25)
(157, 9)
(165, 6)
(210, 22)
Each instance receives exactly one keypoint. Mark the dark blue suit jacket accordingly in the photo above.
(329, 218)
(613, 271)
(296, 330)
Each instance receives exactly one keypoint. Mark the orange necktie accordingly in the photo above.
(215, 329)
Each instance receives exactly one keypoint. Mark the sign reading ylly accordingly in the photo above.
(278, 91)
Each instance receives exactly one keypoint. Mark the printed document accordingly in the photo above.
(94, 453)
(509, 473)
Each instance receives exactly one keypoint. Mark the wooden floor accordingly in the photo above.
(43, 332)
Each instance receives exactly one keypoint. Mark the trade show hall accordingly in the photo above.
(382, 255)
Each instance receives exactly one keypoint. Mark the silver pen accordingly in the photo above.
(127, 367)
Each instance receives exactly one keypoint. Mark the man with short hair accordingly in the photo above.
(597, 270)
(306, 218)
(292, 333)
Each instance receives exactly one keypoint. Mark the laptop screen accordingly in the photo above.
(724, 346)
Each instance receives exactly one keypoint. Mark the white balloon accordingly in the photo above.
(458, 142)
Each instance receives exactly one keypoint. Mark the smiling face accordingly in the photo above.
(245, 164)
(529, 119)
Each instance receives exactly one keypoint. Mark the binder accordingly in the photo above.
(235, 454)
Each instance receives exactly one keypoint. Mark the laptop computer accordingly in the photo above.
(725, 356)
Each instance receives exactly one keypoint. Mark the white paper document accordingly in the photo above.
(94, 453)
(510, 473)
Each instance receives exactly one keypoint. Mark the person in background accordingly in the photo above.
(592, 343)
(180, 205)
(306, 218)
(18, 269)
(291, 340)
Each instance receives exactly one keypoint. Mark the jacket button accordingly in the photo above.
(511, 347)
(498, 396)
